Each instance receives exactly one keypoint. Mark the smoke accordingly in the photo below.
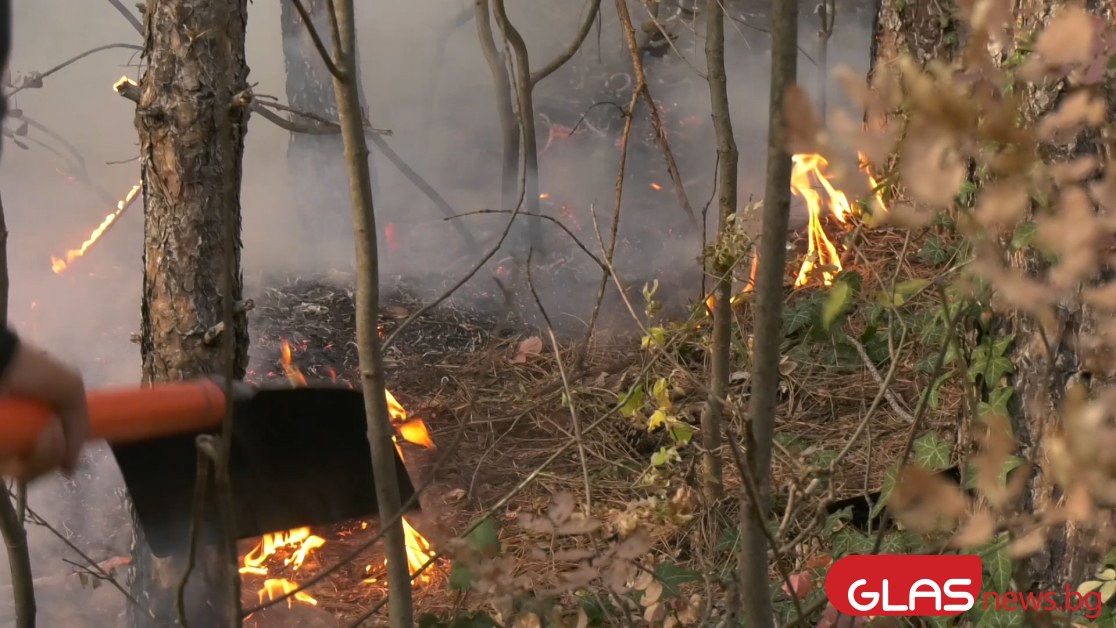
(440, 109)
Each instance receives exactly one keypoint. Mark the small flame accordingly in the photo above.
(276, 587)
(416, 433)
(544, 196)
(821, 253)
(418, 551)
(656, 187)
(389, 236)
(293, 373)
(121, 82)
(58, 265)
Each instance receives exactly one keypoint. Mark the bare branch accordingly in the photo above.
(571, 50)
(326, 57)
(34, 80)
(128, 15)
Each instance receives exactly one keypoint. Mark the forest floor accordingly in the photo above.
(508, 444)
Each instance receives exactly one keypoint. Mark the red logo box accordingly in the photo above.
(909, 586)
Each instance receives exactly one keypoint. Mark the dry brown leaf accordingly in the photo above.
(1074, 170)
(528, 348)
(1066, 42)
(1001, 205)
(634, 546)
(655, 613)
(803, 130)
(578, 526)
(528, 620)
(932, 168)
(454, 495)
(652, 593)
(1078, 109)
(580, 577)
(573, 555)
(643, 580)
(561, 508)
(907, 216)
(582, 618)
(535, 525)
(977, 530)
(1030, 543)
(988, 16)
(1079, 503)
(927, 502)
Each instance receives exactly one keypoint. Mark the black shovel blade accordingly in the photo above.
(299, 457)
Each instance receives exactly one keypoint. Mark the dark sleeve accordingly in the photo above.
(9, 343)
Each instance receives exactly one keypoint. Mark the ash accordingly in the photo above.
(317, 317)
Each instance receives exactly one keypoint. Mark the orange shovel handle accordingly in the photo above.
(123, 415)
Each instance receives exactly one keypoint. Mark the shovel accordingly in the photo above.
(299, 456)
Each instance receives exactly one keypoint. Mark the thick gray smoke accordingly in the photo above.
(441, 112)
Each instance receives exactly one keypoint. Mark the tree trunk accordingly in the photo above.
(315, 163)
(11, 524)
(1045, 364)
(197, 68)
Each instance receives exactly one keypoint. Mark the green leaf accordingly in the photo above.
(633, 401)
(663, 456)
(461, 577)
(728, 540)
(836, 303)
(904, 292)
(682, 433)
(1024, 235)
(485, 538)
(997, 402)
(850, 541)
(932, 452)
(1001, 619)
(656, 337)
(885, 492)
(673, 577)
(660, 392)
(429, 620)
(999, 571)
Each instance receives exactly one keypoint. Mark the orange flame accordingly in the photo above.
(300, 540)
(821, 254)
(59, 265)
(276, 587)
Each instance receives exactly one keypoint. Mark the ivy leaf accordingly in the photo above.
(673, 577)
(849, 541)
(633, 401)
(932, 452)
(1001, 619)
(485, 538)
(836, 303)
(997, 402)
(885, 492)
(1024, 235)
(904, 292)
(999, 571)
(682, 433)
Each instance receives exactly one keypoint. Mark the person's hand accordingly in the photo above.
(36, 375)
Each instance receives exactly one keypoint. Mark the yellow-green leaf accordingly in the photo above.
(657, 420)
(683, 433)
(633, 401)
(1106, 591)
(1089, 586)
(661, 393)
(836, 304)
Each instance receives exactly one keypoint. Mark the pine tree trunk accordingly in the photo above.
(197, 67)
(1045, 365)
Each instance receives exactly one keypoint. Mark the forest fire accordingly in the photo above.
(821, 255)
(58, 265)
(298, 543)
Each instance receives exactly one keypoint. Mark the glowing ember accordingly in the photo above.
(276, 587)
(544, 196)
(656, 187)
(389, 235)
(821, 254)
(59, 265)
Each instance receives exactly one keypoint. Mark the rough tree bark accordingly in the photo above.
(380, 430)
(753, 565)
(11, 524)
(188, 96)
(720, 268)
(1045, 366)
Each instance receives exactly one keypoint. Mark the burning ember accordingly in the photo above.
(297, 544)
(59, 265)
